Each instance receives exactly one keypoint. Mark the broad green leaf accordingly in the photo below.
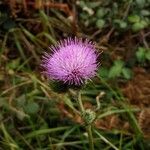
(127, 73)
(103, 72)
(148, 55)
(21, 100)
(116, 69)
(100, 23)
(100, 13)
(93, 4)
(13, 64)
(31, 108)
(122, 24)
(141, 3)
(133, 18)
(140, 54)
(139, 25)
(145, 12)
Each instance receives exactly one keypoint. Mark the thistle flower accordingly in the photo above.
(72, 61)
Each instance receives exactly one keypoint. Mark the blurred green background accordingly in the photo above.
(35, 117)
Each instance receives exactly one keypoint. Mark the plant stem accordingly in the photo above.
(89, 131)
(80, 102)
(88, 128)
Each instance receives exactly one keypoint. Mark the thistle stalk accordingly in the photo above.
(90, 137)
(86, 115)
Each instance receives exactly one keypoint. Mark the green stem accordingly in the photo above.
(89, 131)
(80, 102)
(88, 128)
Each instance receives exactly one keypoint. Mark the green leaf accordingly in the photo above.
(139, 25)
(36, 133)
(2, 102)
(100, 23)
(145, 13)
(133, 18)
(122, 24)
(127, 73)
(119, 63)
(13, 64)
(140, 54)
(82, 4)
(100, 13)
(31, 108)
(116, 69)
(103, 72)
(93, 4)
(140, 3)
(21, 100)
(144, 23)
(148, 55)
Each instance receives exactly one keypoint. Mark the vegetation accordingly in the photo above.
(34, 115)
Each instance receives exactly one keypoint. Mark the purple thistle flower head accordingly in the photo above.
(72, 61)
